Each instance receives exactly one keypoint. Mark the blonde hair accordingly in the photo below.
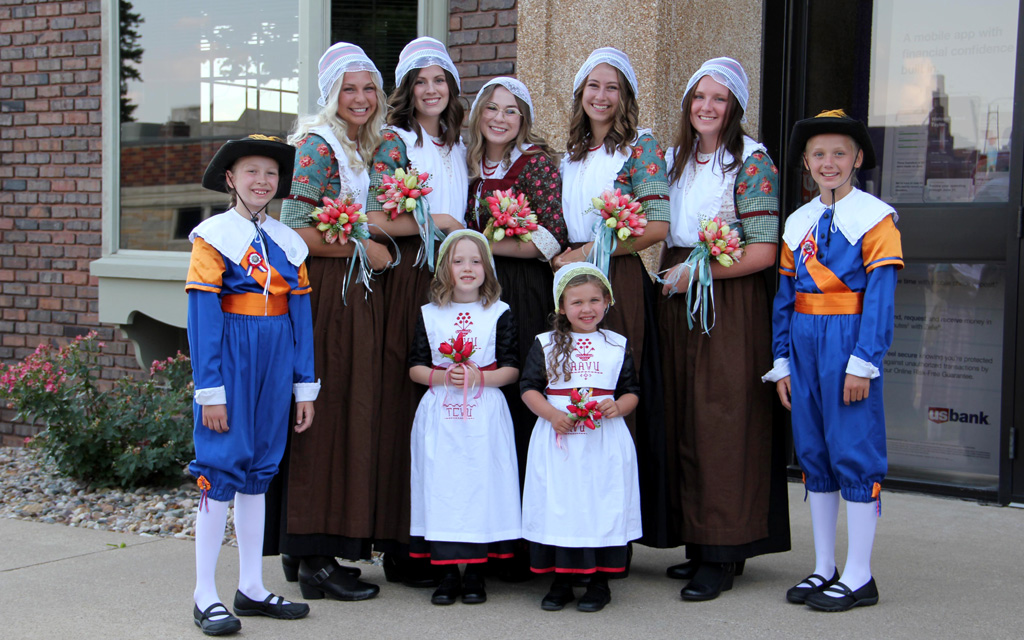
(624, 125)
(560, 359)
(527, 140)
(442, 287)
(368, 134)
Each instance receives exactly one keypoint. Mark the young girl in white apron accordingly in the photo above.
(464, 479)
(581, 502)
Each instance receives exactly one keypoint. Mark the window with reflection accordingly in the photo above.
(934, 81)
(196, 74)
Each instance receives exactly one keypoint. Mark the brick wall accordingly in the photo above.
(482, 41)
(50, 182)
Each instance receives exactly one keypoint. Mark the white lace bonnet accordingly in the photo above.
(515, 87)
(425, 52)
(340, 59)
(564, 275)
(607, 55)
(725, 71)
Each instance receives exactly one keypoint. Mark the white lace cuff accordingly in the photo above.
(213, 395)
(862, 368)
(778, 372)
(545, 243)
(306, 391)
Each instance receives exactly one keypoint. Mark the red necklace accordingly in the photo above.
(492, 168)
(595, 148)
(696, 158)
(436, 143)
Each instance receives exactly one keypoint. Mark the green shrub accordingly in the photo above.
(134, 433)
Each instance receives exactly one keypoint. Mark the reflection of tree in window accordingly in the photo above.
(131, 52)
(381, 27)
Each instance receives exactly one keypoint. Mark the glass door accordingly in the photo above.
(935, 82)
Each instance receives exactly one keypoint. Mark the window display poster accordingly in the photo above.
(943, 373)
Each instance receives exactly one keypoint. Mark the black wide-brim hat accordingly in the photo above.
(830, 122)
(255, 145)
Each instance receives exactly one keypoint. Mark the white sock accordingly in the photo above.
(210, 521)
(824, 516)
(250, 512)
(861, 522)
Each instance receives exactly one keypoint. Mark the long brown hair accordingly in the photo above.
(560, 359)
(528, 141)
(402, 109)
(442, 287)
(731, 138)
(624, 125)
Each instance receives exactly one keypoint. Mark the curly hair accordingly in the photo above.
(730, 138)
(358, 152)
(624, 125)
(402, 109)
(528, 141)
(442, 287)
(560, 359)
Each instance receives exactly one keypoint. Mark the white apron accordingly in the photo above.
(465, 478)
(585, 180)
(356, 183)
(587, 494)
(449, 177)
(697, 197)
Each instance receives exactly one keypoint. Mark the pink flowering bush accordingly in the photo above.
(134, 433)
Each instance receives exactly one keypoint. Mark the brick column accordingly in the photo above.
(482, 41)
(50, 183)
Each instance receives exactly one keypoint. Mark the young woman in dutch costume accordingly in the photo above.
(248, 332)
(581, 503)
(505, 152)
(727, 481)
(422, 133)
(607, 150)
(329, 507)
(464, 479)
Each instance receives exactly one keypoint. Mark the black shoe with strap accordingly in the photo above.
(448, 591)
(863, 597)
(597, 596)
(711, 580)
(333, 583)
(225, 623)
(807, 586)
(272, 606)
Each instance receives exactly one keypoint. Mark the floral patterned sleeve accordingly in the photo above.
(389, 156)
(541, 181)
(315, 175)
(757, 199)
(644, 175)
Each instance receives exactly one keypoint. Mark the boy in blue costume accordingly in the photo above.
(832, 325)
(250, 335)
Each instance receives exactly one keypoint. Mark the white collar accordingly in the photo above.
(231, 234)
(856, 213)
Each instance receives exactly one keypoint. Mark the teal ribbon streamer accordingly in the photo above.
(700, 298)
(605, 242)
(429, 233)
(360, 266)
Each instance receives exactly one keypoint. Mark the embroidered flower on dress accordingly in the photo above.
(652, 169)
(752, 170)
(389, 135)
(395, 155)
(766, 185)
(758, 155)
(323, 149)
(380, 167)
(637, 152)
(741, 188)
(301, 179)
(305, 161)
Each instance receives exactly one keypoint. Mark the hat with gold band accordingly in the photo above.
(254, 145)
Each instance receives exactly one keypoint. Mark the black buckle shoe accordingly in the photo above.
(597, 596)
(474, 589)
(558, 596)
(333, 583)
(448, 591)
(711, 580)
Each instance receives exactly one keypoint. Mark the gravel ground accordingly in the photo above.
(30, 490)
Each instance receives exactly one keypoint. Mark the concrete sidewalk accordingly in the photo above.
(945, 569)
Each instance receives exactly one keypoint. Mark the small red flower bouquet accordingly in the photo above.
(583, 409)
(457, 350)
(510, 216)
(340, 219)
(400, 192)
(622, 214)
(722, 242)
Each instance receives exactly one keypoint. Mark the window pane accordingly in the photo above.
(934, 80)
(381, 27)
(208, 72)
(943, 374)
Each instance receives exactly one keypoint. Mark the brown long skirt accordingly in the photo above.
(726, 479)
(331, 483)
